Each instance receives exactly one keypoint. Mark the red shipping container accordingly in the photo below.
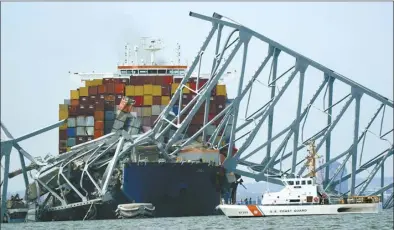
(156, 100)
(101, 89)
(212, 107)
(211, 116)
(125, 81)
(193, 86)
(219, 107)
(90, 110)
(108, 80)
(82, 109)
(118, 98)
(149, 80)
(99, 125)
(220, 100)
(119, 88)
(93, 99)
(139, 100)
(84, 100)
(110, 88)
(177, 79)
(159, 80)
(117, 80)
(99, 115)
(62, 134)
(98, 133)
(101, 97)
(74, 102)
(73, 110)
(167, 80)
(166, 90)
(92, 90)
(110, 97)
(99, 105)
(80, 139)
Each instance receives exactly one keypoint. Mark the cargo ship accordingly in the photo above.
(192, 186)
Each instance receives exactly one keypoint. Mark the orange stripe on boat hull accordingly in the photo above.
(254, 210)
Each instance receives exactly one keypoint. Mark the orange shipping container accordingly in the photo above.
(99, 125)
(99, 115)
(74, 102)
(98, 133)
(101, 89)
(119, 88)
(109, 97)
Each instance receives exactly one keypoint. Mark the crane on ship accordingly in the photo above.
(112, 149)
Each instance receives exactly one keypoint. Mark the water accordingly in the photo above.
(379, 221)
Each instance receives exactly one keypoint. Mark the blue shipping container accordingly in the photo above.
(71, 142)
(109, 115)
(71, 132)
(108, 126)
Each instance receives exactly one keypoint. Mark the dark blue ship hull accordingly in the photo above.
(174, 189)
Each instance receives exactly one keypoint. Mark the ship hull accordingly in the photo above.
(174, 189)
(246, 211)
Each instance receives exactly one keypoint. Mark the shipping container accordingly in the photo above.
(62, 143)
(89, 138)
(74, 94)
(81, 131)
(63, 114)
(156, 90)
(198, 119)
(116, 80)
(130, 90)
(93, 90)
(62, 134)
(162, 107)
(110, 97)
(109, 106)
(136, 81)
(149, 80)
(148, 100)
(148, 89)
(165, 100)
(138, 110)
(118, 98)
(71, 142)
(221, 90)
(75, 102)
(139, 100)
(81, 139)
(90, 121)
(155, 110)
(81, 121)
(120, 115)
(110, 88)
(220, 100)
(175, 109)
(174, 86)
(108, 80)
(166, 90)
(153, 119)
(84, 91)
(67, 102)
(84, 100)
(167, 80)
(119, 88)
(81, 110)
(99, 115)
(93, 99)
(146, 121)
(100, 105)
(90, 110)
(72, 110)
(89, 83)
(125, 81)
(90, 130)
(139, 90)
(98, 133)
(219, 107)
(109, 115)
(101, 89)
(156, 100)
(108, 126)
(101, 97)
(63, 107)
(213, 107)
(62, 150)
(147, 111)
(99, 125)
(159, 80)
(71, 122)
(71, 132)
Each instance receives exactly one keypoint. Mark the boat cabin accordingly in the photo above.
(296, 191)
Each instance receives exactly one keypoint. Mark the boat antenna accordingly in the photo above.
(311, 159)
(136, 54)
(153, 46)
(178, 52)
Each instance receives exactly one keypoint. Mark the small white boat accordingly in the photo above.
(303, 196)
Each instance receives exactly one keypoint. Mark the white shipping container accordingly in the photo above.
(162, 107)
(118, 125)
(71, 122)
(67, 101)
(156, 110)
(133, 114)
(139, 111)
(90, 121)
(81, 121)
(90, 131)
(81, 131)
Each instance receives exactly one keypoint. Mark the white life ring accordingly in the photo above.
(316, 199)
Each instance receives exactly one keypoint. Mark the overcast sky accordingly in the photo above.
(42, 42)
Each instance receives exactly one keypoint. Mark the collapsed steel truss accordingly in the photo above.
(173, 126)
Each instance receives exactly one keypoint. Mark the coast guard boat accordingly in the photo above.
(303, 196)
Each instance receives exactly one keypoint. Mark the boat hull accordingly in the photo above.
(239, 211)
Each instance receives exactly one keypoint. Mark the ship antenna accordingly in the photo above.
(126, 54)
(178, 53)
(153, 46)
(136, 54)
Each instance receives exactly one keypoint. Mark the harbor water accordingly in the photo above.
(379, 221)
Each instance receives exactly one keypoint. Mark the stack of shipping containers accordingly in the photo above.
(91, 110)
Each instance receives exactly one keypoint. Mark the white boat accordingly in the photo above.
(303, 196)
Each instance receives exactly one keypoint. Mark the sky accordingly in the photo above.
(42, 42)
